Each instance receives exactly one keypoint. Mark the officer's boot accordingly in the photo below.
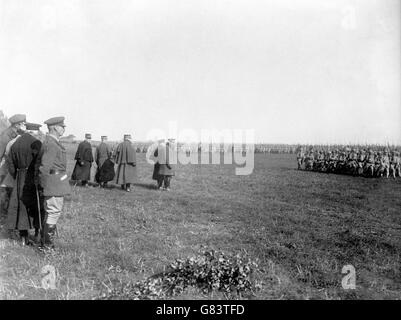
(37, 235)
(167, 183)
(49, 231)
(160, 182)
(24, 237)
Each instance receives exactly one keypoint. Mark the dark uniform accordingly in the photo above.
(105, 166)
(156, 166)
(126, 159)
(52, 161)
(24, 202)
(5, 137)
(84, 158)
(166, 159)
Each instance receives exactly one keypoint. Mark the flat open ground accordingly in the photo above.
(302, 226)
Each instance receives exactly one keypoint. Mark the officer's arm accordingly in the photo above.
(3, 146)
(10, 165)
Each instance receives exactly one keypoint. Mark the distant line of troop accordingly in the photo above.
(352, 161)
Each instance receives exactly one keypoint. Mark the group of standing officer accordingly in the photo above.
(163, 169)
(34, 180)
(125, 158)
(34, 173)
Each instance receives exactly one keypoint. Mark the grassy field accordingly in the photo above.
(303, 227)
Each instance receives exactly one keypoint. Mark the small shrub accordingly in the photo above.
(208, 271)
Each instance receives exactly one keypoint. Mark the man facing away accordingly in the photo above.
(24, 202)
(52, 162)
(166, 155)
(125, 156)
(17, 126)
(161, 143)
(84, 158)
(105, 166)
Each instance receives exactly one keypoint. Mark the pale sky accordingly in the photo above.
(316, 71)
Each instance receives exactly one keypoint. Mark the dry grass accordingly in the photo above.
(302, 226)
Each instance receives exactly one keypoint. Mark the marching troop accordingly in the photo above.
(34, 180)
(352, 161)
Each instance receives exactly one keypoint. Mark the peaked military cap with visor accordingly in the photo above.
(17, 118)
(56, 121)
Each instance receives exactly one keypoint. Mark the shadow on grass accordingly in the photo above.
(149, 186)
(111, 185)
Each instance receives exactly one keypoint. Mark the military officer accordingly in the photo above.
(351, 162)
(385, 164)
(17, 127)
(370, 163)
(84, 159)
(395, 164)
(167, 159)
(126, 159)
(361, 160)
(24, 205)
(300, 158)
(52, 160)
(156, 167)
(105, 167)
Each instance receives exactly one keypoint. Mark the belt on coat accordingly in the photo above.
(52, 171)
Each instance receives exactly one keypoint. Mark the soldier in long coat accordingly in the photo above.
(84, 158)
(24, 197)
(156, 166)
(8, 181)
(166, 157)
(300, 157)
(53, 179)
(126, 159)
(105, 166)
(17, 126)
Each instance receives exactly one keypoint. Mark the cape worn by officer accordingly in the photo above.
(166, 158)
(105, 166)
(53, 180)
(126, 159)
(17, 126)
(24, 205)
(84, 158)
(156, 166)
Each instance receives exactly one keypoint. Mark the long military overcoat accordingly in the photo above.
(126, 159)
(84, 158)
(166, 155)
(24, 198)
